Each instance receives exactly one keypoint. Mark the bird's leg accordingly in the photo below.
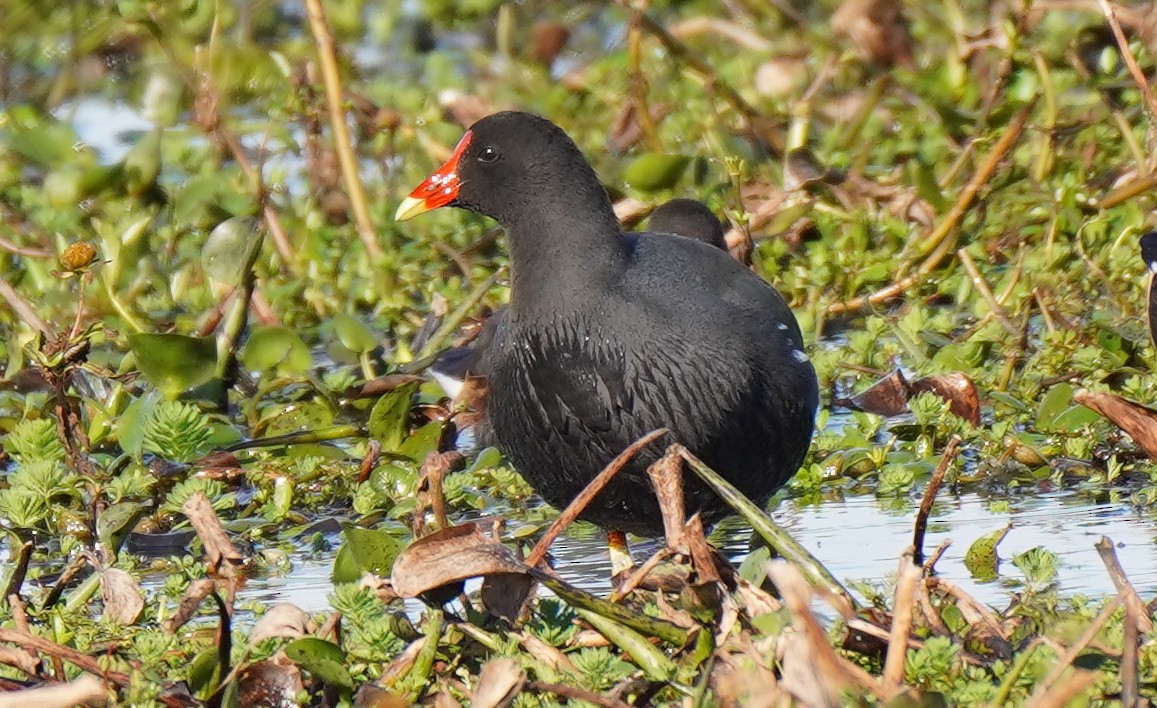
(620, 552)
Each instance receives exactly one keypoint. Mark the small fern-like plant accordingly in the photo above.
(34, 440)
(177, 431)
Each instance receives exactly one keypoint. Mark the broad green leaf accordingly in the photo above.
(276, 346)
(655, 171)
(390, 416)
(224, 253)
(374, 550)
(174, 363)
(353, 334)
(325, 660)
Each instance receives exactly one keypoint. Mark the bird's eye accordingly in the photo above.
(487, 154)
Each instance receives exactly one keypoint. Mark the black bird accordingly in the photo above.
(1148, 244)
(610, 336)
(682, 217)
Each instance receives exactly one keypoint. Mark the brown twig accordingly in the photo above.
(681, 53)
(1121, 582)
(930, 566)
(342, 144)
(986, 292)
(639, 81)
(1130, 689)
(1083, 641)
(72, 656)
(930, 497)
(637, 577)
(944, 233)
(1139, 78)
(906, 580)
(572, 510)
(575, 693)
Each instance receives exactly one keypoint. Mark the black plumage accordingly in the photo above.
(609, 336)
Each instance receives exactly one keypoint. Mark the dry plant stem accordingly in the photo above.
(1127, 191)
(639, 82)
(573, 693)
(1110, 13)
(32, 642)
(986, 292)
(434, 343)
(84, 690)
(580, 502)
(1130, 688)
(341, 137)
(797, 597)
(640, 574)
(22, 309)
(681, 53)
(1063, 695)
(930, 566)
(906, 580)
(667, 479)
(930, 497)
(202, 84)
(1083, 641)
(1121, 582)
(944, 233)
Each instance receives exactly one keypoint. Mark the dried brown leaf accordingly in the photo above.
(122, 597)
(956, 388)
(194, 595)
(450, 556)
(20, 658)
(878, 28)
(498, 684)
(1139, 421)
(273, 682)
(218, 547)
(282, 620)
(886, 397)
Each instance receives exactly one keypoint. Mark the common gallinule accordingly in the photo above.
(681, 217)
(610, 336)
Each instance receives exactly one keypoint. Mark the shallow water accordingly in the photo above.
(861, 538)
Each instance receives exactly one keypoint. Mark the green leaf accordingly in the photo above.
(424, 441)
(345, 566)
(353, 334)
(276, 347)
(204, 673)
(225, 251)
(655, 171)
(981, 558)
(374, 550)
(325, 660)
(174, 363)
(390, 416)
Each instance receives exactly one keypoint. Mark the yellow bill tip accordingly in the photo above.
(409, 208)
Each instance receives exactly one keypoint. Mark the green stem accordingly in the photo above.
(772, 533)
(654, 663)
(582, 600)
(334, 432)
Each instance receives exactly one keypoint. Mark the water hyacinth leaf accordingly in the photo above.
(655, 171)
(278, 347)
(116, 522)
(311, 415)
(225, 251)
(345, 566)
(204, 673)
(390, 416)
(325, 660)
(353, 334)
(374, 550)
(174, 363)
(424, 441)
(981, 558)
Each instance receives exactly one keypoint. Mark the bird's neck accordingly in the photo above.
(561, 259)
